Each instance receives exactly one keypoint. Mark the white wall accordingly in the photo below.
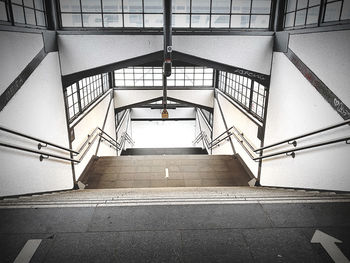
(16, 51)
(146, 113)
(327, 54)
(163, 134)
(38, 110)
(249, 52)
(295, 107)
(202, 124)
(93, 119)
(127, 97)
(235, 117)
(218, 128)
(81, 52)
(124, 126)
(109, 128)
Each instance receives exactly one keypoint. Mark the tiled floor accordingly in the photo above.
(150, 171)
(176, 233)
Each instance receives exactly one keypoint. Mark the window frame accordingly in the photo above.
(233, 85)
(88, 90)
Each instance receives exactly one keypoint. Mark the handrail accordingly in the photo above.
(242, 141)
(291, 151)
(198, 138)
(45, 155)
(42, 154)
(305, 135)
(37, 139)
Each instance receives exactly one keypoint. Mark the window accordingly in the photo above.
(3, 11)
(149, 13)
(246, 92)
(27, 12)
(153, 77)
(82, 94)
(302, 13)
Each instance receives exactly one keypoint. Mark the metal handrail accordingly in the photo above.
(92, 134)
(37, 140)
(45, 155)
(42, 154)
(292, 151)
(242, 141)
(305, 135)
(198, 138)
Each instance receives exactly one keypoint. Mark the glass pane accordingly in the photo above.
(133, 6)
(18, 14)
(200, 21)
(221, 6)
(200, 6)
(220, 21)
(291, 4)
(39, 4)
(346, 10)
(302, 4)
(70, 5)
(289, 22)
(3, 14)
(92, 20)
(133, 20)
(30, 16)
(181, 6)
(300, 18)
(28, 3)
(314, 2)
(259, 21)
(17, 2)
(113, 20)
(71, 20)
(112, 6)
(181, 20)
(240, 21)
(240, 6)
(261, 6)
(153, 20)
(91, 5)
(312, 15)
(332, 12)
(153, 6)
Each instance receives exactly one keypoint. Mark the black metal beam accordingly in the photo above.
(333, 100)
(11, 90)
(70, 79)
(258, 77)
(136, 105)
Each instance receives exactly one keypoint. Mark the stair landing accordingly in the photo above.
(166, 171)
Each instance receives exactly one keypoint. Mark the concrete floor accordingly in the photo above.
(183, 171)
(271, 232)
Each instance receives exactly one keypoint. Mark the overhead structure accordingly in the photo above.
(167, 60)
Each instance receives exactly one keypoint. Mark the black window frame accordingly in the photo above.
(246, 92)
(11, 20)
(190, 15)
(88, 90)
(320, 21)
(131, 77)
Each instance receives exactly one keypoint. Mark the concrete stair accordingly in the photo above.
(166, 171)
(171, 196)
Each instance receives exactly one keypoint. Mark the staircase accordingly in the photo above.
(166, 171)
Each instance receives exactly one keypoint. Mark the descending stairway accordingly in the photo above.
(166, 171)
